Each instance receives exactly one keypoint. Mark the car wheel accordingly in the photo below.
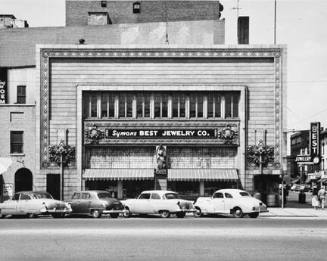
(180, 214)
(31, 215)
(127, 212)
(114, 215)
(238, 213)
(58, 215)
(198, 212)
(164, 213)
(254, 215)
(96, 213)
(1, 215)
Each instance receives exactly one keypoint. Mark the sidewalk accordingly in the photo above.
(295, 209)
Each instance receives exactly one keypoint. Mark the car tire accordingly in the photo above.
(164, 213)
(198, 212)
(237, 212)
(31, 215)
(127, 213)
(181, 214)
(1, 215)
(96, 213)
(114, 215)
(254, 215)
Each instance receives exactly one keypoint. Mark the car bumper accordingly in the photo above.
(188, 210)
(55, 211)
(113, 211)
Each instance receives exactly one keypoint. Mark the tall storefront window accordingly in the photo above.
(94, 105)
(178, 106)
(161, 105)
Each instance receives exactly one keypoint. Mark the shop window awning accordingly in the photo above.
(202, 175)
(118, 174)
(4, 164)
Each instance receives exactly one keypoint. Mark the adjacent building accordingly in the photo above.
(141, 81)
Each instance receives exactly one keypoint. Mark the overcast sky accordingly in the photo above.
(300, 25)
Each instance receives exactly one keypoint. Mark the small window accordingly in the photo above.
(21, 94)
(136, 7)
(103, 3)
(244, 194)
(16, 196)
(85, 195)
(155, 196)
(218, 195)
(24, 197)
(144, 196)
(16, 142)
(76, 196)
(227, 195)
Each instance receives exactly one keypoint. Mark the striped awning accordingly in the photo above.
(118, 174)
(202, 175)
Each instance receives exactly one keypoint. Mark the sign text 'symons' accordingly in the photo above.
(147, 133)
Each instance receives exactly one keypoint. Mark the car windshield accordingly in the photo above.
(171, 196)
(104, 195)
(244, 194)
(41, 195)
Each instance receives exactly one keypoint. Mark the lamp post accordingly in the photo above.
(61, 151)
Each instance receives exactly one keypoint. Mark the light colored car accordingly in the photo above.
(95, 203)
(162, 202)
(234, 202)
(32, 204)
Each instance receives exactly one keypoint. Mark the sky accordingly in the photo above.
(300, 24)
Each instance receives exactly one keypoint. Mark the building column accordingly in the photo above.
(119, 189)
(201, 188)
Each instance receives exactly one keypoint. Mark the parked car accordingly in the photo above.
(95, 203)
(32, 204)
(234, 202)
(162, 202)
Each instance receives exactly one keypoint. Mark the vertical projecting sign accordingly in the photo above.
(3, 86)
(315, 142)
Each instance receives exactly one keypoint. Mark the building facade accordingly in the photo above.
(204, 103)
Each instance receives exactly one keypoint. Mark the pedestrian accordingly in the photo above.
(322, 196)
(314, 200)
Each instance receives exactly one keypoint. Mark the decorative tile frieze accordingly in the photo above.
(136, 53)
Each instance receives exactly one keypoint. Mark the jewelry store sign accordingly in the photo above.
(162, 133)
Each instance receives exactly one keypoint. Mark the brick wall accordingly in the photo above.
(151, 11)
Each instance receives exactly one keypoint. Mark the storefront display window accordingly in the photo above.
(164, 105)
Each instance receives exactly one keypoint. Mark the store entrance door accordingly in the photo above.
(53, 185)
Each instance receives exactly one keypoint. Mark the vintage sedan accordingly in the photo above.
(32, 204)
(95, 203)
(234, 202)
(160, 202)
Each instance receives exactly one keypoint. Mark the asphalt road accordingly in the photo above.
(163, 239)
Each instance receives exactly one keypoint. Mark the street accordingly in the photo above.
(163, 239)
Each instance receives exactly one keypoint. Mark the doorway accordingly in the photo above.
(53, 185)
(23, 180)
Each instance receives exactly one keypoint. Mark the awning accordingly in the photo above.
(202, 175)
(4, 164)
(118, 174)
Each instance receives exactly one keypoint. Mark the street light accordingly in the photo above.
(62, 155)
(61, 151)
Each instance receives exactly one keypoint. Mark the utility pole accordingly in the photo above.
(275, 18)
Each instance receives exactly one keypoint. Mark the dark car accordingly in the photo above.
(95, 203)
